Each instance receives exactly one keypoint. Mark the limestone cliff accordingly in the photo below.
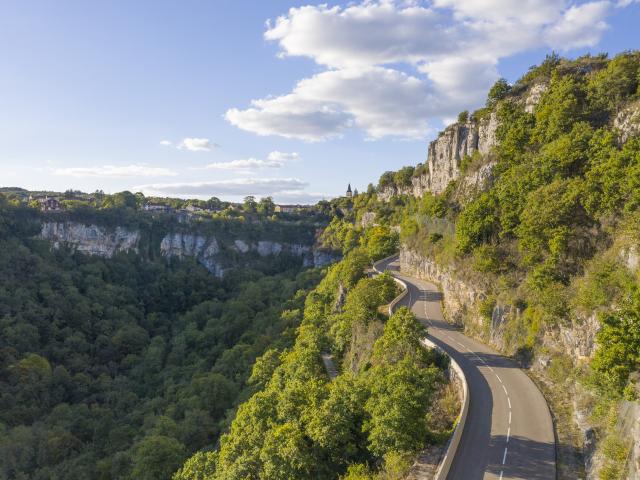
(90, 239)
(461, 139)
(209, 251)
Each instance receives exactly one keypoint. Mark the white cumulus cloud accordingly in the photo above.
(278, 156)
(275, 159)
(115, 171)
(580, 26)
(397, 68)
(197, 144)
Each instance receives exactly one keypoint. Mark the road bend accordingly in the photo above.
(509, 432)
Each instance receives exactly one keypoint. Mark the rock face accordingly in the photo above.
(445, 155)
(206, 249)
(90, 239)
(460, 300)
(534, 95)
(628, 122)
(475, 181)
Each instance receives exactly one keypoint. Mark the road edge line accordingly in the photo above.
(454, 440)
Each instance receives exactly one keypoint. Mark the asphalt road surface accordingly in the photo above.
(509, 431)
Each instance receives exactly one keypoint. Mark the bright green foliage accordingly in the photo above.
(497, 92)
(380, 242)
(613, 84)
(478, 223)
(402, 178)
(301, 425)
(619, 340)
(396, 406)
(200, 466)
(560, 108)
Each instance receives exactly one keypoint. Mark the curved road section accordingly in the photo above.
(509, 432)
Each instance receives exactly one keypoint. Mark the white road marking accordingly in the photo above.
(426, 315)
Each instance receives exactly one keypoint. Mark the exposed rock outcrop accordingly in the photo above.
(447, 152)
(460, 300)
(206, 249)
(627, 122)
(445, 155)
(534, 94)
(90, 239)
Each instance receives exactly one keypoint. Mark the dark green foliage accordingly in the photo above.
(301, 425)
(120, 368)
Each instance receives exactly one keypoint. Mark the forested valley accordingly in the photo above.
(123, 367)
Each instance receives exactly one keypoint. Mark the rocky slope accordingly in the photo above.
(210, 252)
(459, 140)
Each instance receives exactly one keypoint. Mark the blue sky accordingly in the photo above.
(290, 99)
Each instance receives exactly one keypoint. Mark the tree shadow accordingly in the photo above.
(526, 459)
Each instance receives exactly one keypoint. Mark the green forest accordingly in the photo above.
(389, 400)
(133, 368)
(121, 368)
(552, 234)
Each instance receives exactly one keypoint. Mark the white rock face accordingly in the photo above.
(96, 240)
(445, 155)
(628, 122)
(266, 248)
(204, 249)
(368, 218)
(241, 246)
(534, 95)
(90, 239)
(475, 181)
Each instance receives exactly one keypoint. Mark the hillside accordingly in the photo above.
(121, 362)
(526, 214)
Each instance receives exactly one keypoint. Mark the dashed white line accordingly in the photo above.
(464, 347)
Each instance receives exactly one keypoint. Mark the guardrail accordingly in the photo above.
(454, 440)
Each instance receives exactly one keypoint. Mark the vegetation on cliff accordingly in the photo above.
(122, 368)
(554, 233)
(369, 420)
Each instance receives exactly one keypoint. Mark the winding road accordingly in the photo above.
(509, 432)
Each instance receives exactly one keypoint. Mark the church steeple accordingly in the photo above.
(349, 192)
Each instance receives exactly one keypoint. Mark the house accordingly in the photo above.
(50, 204)
(156, 207)
(193, 208)
(286, 208)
